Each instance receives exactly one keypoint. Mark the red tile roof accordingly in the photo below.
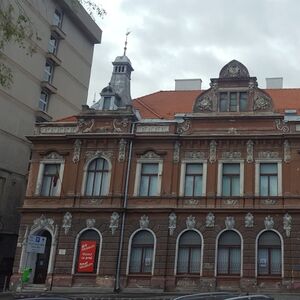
(164, 104)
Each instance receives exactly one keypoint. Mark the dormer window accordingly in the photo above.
(106, 103)
(233, 101)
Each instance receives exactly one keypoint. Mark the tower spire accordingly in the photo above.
(125, 47)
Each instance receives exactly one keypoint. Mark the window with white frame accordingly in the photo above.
(189, 253)
(231, 178)
(141, 254)
(57, 18)
(269, 254)
(193, 179)
(44, 101)
(53, 44)
(268, 178)
(97, 178)
(229, 253)
(48, 71)
(50, 175)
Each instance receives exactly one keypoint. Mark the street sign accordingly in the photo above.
(36, 244)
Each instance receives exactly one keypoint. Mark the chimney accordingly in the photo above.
(188, 84)
(274, 83)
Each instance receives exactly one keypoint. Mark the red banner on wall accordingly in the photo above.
(86, 258)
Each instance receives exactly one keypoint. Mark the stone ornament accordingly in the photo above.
(190, 222)
(191, 202)
(212, 151)
(53, 156)
(287, 224)
(120, 125)
(249, 220)
(231, 202)
(250, 148)
(176, 154)
(99, 153)
(184, 126)
(194, 155)
(90, 223)
(269, 222)
(210, 220)
(261, 103)
(76, 151)
(85, 126)
(282, 126)
(150, 155)
(67, 222)
(205, 104)
(122, 150)
(286, 151)
(231, 155)
(232, 130)
(234, 69)
(43, 222)
(269, 201)
(229, 222)
(268, 155)
(114, 222)
(172, 223)
(144, 222)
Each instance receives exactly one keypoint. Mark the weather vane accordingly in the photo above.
(125, 48)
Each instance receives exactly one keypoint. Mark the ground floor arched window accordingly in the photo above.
(141, 256)
(229, 253)
(269, 254)
(87, 252)
(189, 253)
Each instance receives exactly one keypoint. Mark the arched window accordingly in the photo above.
(141, 257)
(189, 253)
(269, 254)
(87, 252)
(229, 253)
(97, 178)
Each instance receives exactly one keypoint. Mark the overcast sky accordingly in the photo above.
(176, 39)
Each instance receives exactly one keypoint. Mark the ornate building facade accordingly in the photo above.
(179, 190)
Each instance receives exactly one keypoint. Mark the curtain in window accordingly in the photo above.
(149, 180)
(50, 180)
(193, 180)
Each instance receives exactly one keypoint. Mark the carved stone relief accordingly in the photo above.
(144, 222)
(114, 222)
(122, 150)
(212, 151)
(190, 222)
(172, 223)
(286, 151)
(232, 130)
(67, 222)
(150, 155)
(192, 202)
(43, 222)
(210, 220)
(194, 155)
(250, 146)
(184, 126)
(269, 201)
(76, 151)
(269, 222)
(287, 224)
(231, 202)
(282, 126)
(261, 103)
(54, 155)
(268, 155)
(249, 220)
(99, 153)
(120, 125)
(85, 126)
(230, 222)
(90, 223)
(176, 154)
(231, 155)
(234, 69)
(204, 104)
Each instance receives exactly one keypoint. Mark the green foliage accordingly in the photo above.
(91, 7)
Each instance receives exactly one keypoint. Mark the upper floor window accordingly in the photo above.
(97, 181)
(57, 17)
(53, 44)
(43, 101)
(48, 71)
(50, 180)
(189, 253)
(231, 179)
(193, 179)
(268, 179)
(233, 101)
(149, 179)
(106, 103)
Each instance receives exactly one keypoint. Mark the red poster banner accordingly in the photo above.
(86, 258)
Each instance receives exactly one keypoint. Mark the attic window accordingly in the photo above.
(233, 101)
(106, 103)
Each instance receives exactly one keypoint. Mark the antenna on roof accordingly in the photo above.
(125, 48)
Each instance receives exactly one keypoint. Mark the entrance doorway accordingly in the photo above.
(42, 260)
